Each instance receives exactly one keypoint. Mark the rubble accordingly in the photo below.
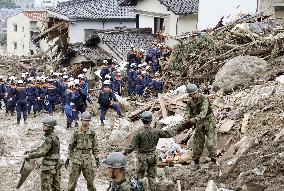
(199, 58)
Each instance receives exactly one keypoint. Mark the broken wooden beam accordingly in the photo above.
(163, 106)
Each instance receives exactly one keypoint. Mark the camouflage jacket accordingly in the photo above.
(200, 109)
(49, 150)
(147, 139)
(81, 146)
(123, 186)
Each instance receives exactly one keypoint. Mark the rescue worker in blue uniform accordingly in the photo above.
(140, 86)
(63, 88)
(21, 102)
(2, 90)
(104, 70)
(117, 84)
(11, 96)
(107, 100)
(80, 102)
(132, 75)
(32, 94)
(69, 108)
(51, 96)
(157, 84)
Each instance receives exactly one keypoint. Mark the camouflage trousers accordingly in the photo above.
(147, 164)
(50, 180)
(88, 173)
(205, 131)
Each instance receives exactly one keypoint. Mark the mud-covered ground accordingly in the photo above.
(17, 139)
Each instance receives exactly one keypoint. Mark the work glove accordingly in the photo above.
(66, 164)
(26, 153)
(97, 161)
(192, 121)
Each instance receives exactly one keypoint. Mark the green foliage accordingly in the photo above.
(186, 52)
(3, 39)
(7, 4)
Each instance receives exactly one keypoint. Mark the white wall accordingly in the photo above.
(77, 28)
(170, 21)
(22, 36)
(210, 12)
(187, 23)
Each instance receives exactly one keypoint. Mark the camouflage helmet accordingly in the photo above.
(116, 160)
(191, 88)
(49, 121)
(146, 116)
(86, 116)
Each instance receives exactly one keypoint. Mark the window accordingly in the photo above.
(23, 47)
(158, 24)
(15, 28)
(15, 45)
(23, 29)
(137, 20)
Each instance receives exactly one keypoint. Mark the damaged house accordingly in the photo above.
(22, 29)
(87, 15)
(172, 17)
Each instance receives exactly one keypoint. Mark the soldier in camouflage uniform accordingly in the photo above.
(201, 115)
(145, 141)
(116, 164)
(49, 150)
(82, 145)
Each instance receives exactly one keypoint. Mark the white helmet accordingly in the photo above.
(70, 84)
(30, 79)
(12, 78)
(143, 72)
(157, 74)
(42, 79)
(108, 76)
(107, 82)
(114, 60)
(132, 46)
(139, 65)
(133, 64)
(23, 75)
(105, 61)
(142, 50)
(65, 77)
(38, 78)
(81, 76)
(85, 70)
(1, 77)
(20, 82)
(71, 79)
(76, 81)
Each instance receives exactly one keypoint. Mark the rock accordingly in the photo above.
(118, 137)
(211, 186)
(125, 124)
(226, 126)
(241, 71)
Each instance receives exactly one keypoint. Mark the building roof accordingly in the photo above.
(178, 7)
(36, 15)
(119, 41)
(94, 9)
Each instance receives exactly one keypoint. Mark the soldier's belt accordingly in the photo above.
(83, 151)
(50, 162)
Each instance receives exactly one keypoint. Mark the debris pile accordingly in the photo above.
(198, 59)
